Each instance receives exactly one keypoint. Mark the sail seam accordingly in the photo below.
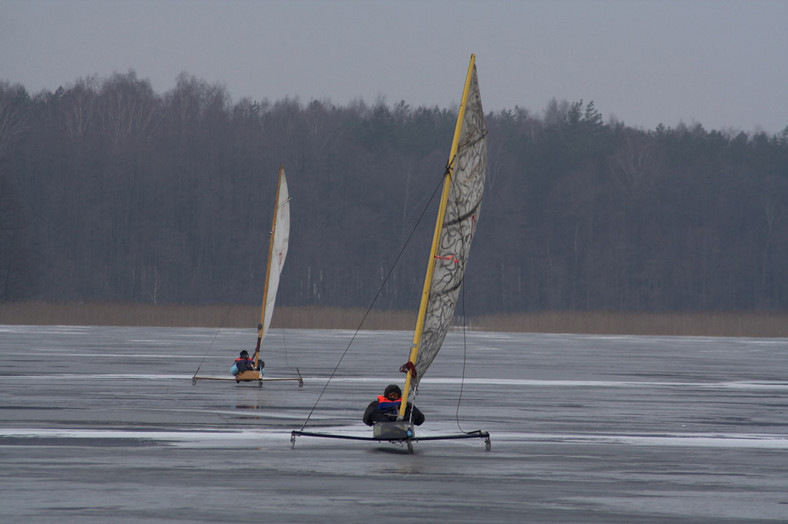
(470, 143)
(466, 216)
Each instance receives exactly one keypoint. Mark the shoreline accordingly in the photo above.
(720, 324)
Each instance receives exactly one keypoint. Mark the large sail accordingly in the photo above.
(277, 252)
(454, 230)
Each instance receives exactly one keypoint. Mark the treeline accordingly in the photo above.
(112, 192)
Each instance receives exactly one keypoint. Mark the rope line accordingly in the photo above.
(284, 339)
(224, 320)
(375, 298)
(464, 361)
(464, 339)
(215, 335)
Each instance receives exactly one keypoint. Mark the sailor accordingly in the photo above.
(386, 408)
(243, 363)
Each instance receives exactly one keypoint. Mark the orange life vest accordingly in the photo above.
(386, 404)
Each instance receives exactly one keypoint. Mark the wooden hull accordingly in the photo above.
(253, 376)
(248, 375)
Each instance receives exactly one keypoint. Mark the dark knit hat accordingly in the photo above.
(392, 388)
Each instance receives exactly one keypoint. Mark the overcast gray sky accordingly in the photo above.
(720, 63)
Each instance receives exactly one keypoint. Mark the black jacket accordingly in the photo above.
(244, 364)
(388, 413)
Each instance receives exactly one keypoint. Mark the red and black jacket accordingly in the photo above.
(244, 364)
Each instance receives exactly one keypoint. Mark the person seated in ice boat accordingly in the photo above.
(386, 407)
(244, 363)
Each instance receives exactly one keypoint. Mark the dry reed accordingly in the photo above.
(740, 324)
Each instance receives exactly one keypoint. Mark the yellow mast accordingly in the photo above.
(268, 270)
(425, 294)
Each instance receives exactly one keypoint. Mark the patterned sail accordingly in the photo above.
(456, 225)
(277, 252)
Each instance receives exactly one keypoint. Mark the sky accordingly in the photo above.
(719, 63)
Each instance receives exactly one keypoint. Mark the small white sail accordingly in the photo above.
(280, 236)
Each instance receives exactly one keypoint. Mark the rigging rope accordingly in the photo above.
(464, 342)
(464, 360)
(224, 320)
(213, 340)
(375, 298)
(284, 340)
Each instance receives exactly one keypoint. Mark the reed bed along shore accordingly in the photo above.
(213, 316)
(739, 324)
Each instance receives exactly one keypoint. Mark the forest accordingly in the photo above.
(111, 192)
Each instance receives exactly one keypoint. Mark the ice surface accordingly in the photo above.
(101, 424)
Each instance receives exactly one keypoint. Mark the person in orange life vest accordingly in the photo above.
(386, 407)
(244, 363)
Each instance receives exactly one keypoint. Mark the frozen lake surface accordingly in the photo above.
(101, 424)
